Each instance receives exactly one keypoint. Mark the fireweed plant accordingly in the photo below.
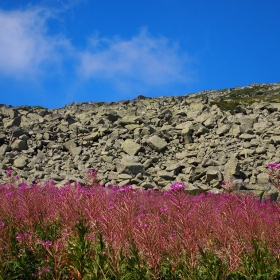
(274, 174)
(97, 232)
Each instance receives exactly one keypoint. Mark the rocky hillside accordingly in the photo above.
(200, 139)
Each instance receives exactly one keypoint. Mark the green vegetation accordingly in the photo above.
(99, 104)
(39, 107)
(240, 97)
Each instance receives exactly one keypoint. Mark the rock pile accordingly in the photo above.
(149, 142)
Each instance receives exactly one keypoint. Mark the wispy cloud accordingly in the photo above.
(143, 61)
(28, 49)
(25, 45)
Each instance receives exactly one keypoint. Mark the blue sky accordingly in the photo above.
(54, 52)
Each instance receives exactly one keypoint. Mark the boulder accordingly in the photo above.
(20, 162)
(19, 145)
(131, 147)
(131, 168)
(232, 169)
(157, 143)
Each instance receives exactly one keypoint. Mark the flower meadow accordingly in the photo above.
(95, 232)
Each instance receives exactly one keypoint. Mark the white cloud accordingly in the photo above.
(28, 49)
(24, 42)
(143, 61)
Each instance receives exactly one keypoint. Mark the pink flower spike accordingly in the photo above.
(19, 237)
(46, 243)
(9, 171)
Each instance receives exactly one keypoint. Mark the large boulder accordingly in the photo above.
(232, 169)
(131, 147)
(19, 145)
(132, 168)
(157, 143)
(20, 162)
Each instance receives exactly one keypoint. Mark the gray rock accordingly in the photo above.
(169, 176)
(197, 107)
(20, 162)
(223, 129)
(131, 147)
(213, 174)
(187, 134)
(71, 146)
(262, 178)
(236, 130)
(247, 136)
(131, 168)
(157, 143)
(210, 122)
(19, 145)
(13, 122)
(3, 149)
(92, 137)
(232, 169)
(276, 139)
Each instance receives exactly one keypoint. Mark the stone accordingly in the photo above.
(262, 178)
(223, 129)
(236, 130)
(197, 106)
(157, 143)
(19, 145)
(92, 137)
(209, 162)
(232, 169)
(247, 136)
(3, 149)
(10, 112)
(212, 174)
(166, 175)
(13, 122)
(130, 120)
(131, 147)
(131, 168)
(275, 139)
(200, 130)
(71, 146)
(260, 150)
(260, 127)
(187, 134)
(20, 162)
(210, 122)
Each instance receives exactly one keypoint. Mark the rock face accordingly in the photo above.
(200, 139)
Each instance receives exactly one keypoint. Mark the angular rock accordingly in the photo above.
(232, 169)
(210, 122)
(14, 122)
(197, 106)
(71, 146)
(247, 136)
(20, 162)
(92, 137)
(262, 178)
(213, 174)
(187, 134)
(132, 168)
(19, 145)
(3, 149)
(157, 143)
(131, 147)
(223, 129)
